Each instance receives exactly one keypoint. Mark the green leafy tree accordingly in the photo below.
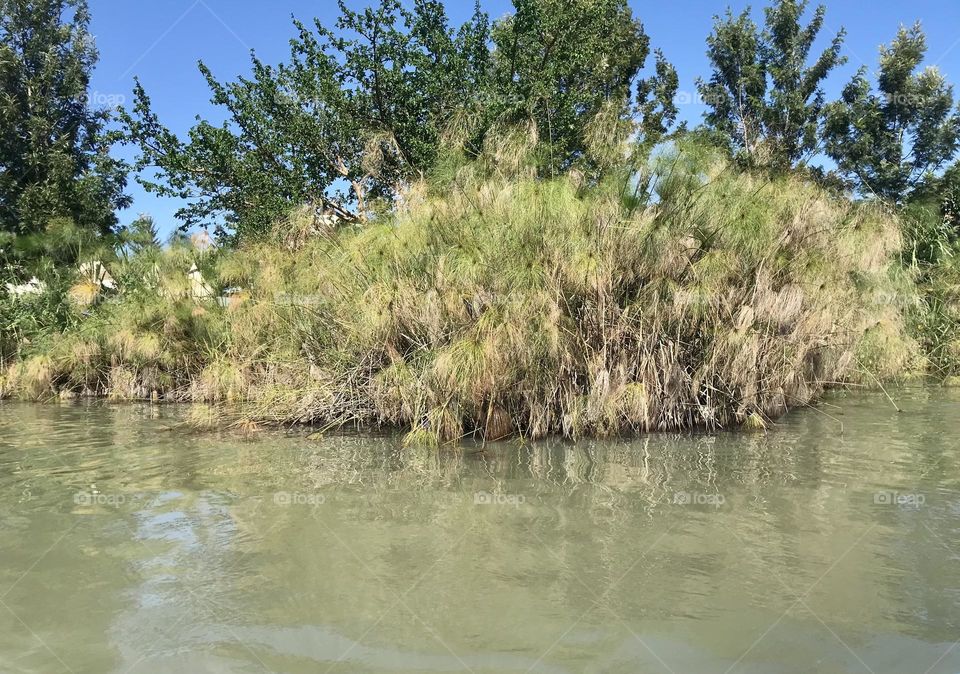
(362, 108)
(54, 146)
(406, 73)
(354, 113)
(887, 142)
(765, 94)
(561, 62)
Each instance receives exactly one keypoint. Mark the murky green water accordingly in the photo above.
(827, 545)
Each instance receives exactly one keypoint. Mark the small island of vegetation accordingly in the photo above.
(488, 230)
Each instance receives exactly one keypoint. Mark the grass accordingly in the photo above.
(493, 303)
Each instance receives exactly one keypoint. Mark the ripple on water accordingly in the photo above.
(128, 543)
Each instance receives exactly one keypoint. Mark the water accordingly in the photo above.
(128, 544)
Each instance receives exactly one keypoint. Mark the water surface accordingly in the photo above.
(830, 544)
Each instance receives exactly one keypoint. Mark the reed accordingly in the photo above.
(492, 302)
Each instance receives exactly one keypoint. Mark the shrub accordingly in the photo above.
(503, 303)
(493, 302)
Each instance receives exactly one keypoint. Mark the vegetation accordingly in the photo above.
(930, 224)
(887, 142)
(54, 146)
(764, 97)
(359, 111)
(363, 104)
(495, 302)
(475, 231)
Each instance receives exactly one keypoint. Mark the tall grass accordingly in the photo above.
(495, 303)
(932, 253)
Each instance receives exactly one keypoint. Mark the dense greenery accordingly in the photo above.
(890, 141)
(54, 145)
(764, 96)
(495, 303)
(486, 228)
(365, 105)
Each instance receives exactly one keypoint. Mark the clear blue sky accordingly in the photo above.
(161, 43)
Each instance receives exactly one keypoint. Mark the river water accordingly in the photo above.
(829, 544)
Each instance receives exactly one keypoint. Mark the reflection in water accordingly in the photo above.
(829, 544)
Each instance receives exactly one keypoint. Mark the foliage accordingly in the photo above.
(932, 253)
(559, 63)
(935, 320)
(764, 94)
(886, 142)
(362, 104)
(54, 161)
(31, 318)
(360, 110)
(486, 229)
(494, 303)
(931, 220)
(28, 319)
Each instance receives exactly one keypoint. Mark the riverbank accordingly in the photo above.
(493, 303)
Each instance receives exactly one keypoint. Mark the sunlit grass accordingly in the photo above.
(494, 302)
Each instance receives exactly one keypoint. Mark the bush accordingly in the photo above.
(497, 303)
(494, 303)
(931, 246)
(27, 319)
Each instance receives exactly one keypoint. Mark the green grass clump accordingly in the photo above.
(501, 303)
(493, 302)
(931, 257)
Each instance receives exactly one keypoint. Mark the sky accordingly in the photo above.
(161, 43)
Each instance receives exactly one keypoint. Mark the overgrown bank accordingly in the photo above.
(479, 243)
(492, 303)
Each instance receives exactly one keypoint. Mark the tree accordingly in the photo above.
(361, 109)
(406, 83)
(560, 62)
(765, 95)
(887, 142)
(355, 112)
(54, 146)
